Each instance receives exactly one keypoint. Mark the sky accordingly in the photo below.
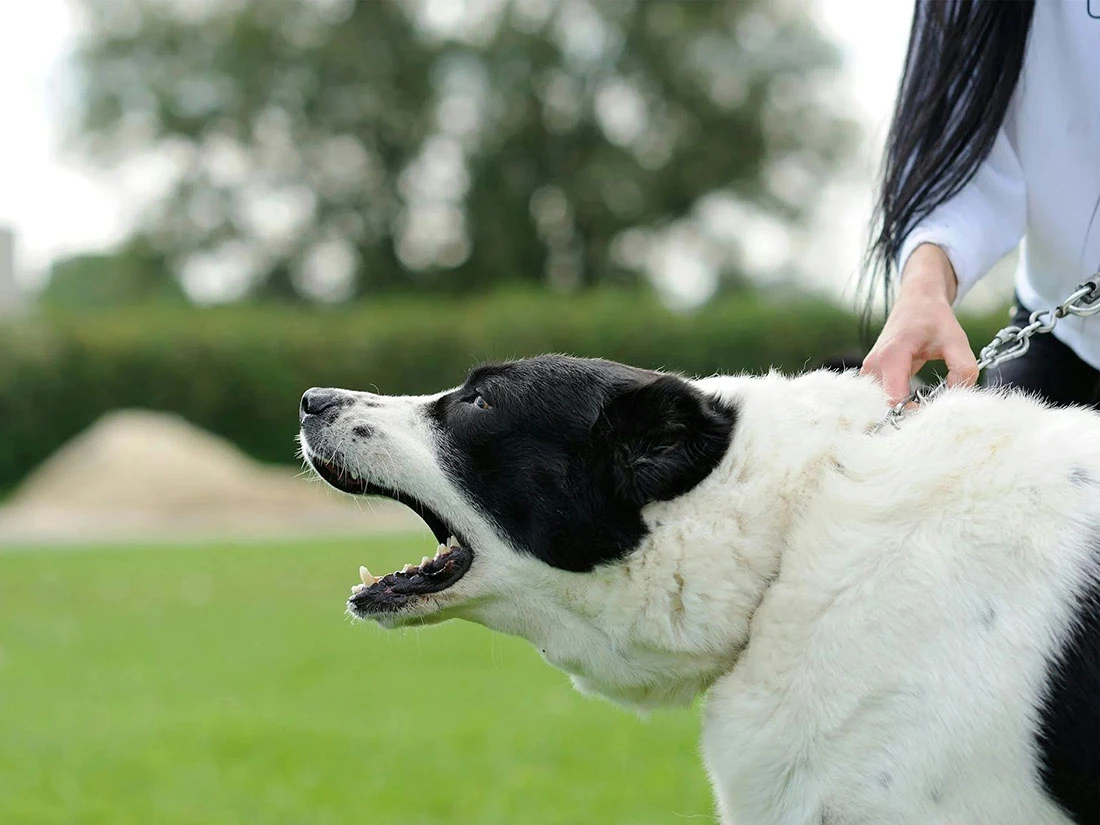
(58, 206)
(55, 206)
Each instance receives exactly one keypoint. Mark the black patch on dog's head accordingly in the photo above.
(563, 453)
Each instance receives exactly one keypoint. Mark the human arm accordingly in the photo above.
(948, 252)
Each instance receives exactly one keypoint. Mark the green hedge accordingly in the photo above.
(240, 371)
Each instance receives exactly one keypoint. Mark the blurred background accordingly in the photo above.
(207, 206)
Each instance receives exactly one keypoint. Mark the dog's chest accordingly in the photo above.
(770, 763)
(856, 704)
(882, 758)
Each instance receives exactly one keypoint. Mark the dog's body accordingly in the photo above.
(891, 627)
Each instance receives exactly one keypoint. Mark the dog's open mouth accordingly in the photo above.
(394, 590)
(390, 593)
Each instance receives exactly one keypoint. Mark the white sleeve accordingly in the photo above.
(982, 223)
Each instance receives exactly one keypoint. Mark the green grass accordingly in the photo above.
(223, 684)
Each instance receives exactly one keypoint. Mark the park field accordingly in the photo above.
(220, 684)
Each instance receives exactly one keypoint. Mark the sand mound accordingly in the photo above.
(148, 475)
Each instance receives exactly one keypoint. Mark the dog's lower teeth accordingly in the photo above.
(424, 561)
(408, 567)
(366, 576)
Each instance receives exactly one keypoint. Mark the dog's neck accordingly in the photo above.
(659, 627)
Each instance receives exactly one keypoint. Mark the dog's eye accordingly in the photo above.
(481, 403)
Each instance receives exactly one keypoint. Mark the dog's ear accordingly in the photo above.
(661, 437)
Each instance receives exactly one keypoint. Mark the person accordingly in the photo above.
(995, 133)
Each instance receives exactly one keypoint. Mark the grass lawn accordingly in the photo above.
(223, 684)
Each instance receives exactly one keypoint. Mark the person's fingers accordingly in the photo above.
(895, 371)
(962, 366)
(892, 367)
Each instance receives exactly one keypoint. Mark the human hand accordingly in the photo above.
(922, 327)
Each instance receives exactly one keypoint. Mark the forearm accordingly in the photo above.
(929, 273)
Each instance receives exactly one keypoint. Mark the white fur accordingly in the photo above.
(869, 615)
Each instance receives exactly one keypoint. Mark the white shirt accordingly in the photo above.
(1042, 177)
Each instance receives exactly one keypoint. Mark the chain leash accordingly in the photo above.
(1011, 342)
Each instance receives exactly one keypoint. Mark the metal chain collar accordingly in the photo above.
(1011, 342)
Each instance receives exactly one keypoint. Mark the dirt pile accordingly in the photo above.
(136, 474)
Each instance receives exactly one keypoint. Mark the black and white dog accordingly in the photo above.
(891, 627)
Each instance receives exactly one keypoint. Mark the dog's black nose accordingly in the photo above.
(315, 401)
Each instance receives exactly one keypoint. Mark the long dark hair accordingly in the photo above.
(961, 68)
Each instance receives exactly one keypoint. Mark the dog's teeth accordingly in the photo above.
(366, 576)
(408, 567)
(442, 550)
(424, 561)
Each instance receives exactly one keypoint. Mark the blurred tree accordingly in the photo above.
(131, 275)
(328, 148)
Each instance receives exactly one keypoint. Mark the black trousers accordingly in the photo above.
(1049, 369)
